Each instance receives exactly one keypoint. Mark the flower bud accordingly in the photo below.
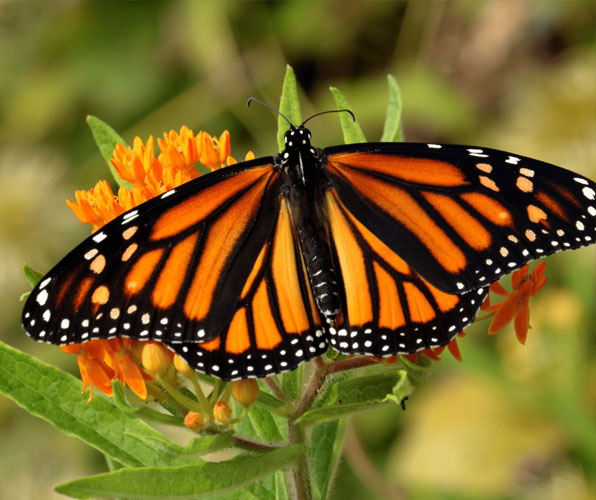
(156, 358)
(245, 391)
(183, 367)
(222, 412)
(194, 421)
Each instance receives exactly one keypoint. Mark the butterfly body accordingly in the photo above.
(374, 249)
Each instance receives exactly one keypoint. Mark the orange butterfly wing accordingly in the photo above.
(387, 307)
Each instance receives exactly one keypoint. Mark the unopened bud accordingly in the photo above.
(183, 367)
(222, 412)
(194, 421)
(156, 358)
(245, 391)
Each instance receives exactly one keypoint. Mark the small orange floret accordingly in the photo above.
(515, 305)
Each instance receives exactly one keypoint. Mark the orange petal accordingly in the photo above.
(430, 353)
(132, 375)
(504, 314)
(454, 349)
(518, 275)
(411, 357)
(522, 322)
(497, 288)
(223, 147)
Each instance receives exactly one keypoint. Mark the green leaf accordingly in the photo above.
(291, 382)
(289, 106)
(106, 139)
(402, 390)
(324, 455)
(55, 396)
(392, 131)
(173, 454)
(183, 482)
(31, 275)
(353, 395)
(267, 426)
(351, 129)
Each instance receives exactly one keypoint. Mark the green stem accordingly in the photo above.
(301, 473)
(183, 400)
(275, 389)
(202, 400)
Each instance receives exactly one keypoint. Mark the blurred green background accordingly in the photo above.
(510, 422)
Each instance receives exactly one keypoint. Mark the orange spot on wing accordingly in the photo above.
(98, 264)
(488, 183)
(286, 277)
(467, 226)
(237, 339)
(266, 332)
(351, 261)
(210, 345)
(420, 309)
(222, 240)
(101, 295)
(193, 210)
(536, 214)
(82, 292)
(552, 205)
(489, 208)
(566, 194)
(391, 314)
(524, 184)
(141, 272)
(64, 288)
(173, 273)
(418, 170)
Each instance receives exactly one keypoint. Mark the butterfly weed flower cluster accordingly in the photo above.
(293, 417)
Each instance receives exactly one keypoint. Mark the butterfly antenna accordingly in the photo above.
(331, 111)
(251, 99)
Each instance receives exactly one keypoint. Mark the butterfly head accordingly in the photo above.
(297, 138)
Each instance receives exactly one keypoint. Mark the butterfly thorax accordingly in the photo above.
(302, 165)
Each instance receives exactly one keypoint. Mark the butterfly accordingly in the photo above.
(373, 248)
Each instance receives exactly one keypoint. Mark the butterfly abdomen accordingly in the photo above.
(319, 268)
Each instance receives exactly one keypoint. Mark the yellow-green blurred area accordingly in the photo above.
(511, 421)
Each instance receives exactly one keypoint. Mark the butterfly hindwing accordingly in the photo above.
(171, 269)
(276, 325)
(387, 307)
(462, 217)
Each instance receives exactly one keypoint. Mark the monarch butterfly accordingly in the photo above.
(373, 248)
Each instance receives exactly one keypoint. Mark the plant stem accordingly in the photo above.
(276, 389)
(252, 445)
(349, 364)
(316, 381)
(366, 471)
(301, 473)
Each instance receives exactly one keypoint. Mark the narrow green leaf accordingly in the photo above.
(31, 275)
(392, 131)
(351, 129)
(106, 139)
(173, 454)
(324, 455)
(183, 482)
(55, 396)
(289, 106)
(353, 395)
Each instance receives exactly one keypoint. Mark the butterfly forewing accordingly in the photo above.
(460, 216)
(171, 269)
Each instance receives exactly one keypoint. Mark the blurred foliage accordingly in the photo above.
(510, 422)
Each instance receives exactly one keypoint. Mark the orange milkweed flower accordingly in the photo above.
(515, 306)
(101, 361)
